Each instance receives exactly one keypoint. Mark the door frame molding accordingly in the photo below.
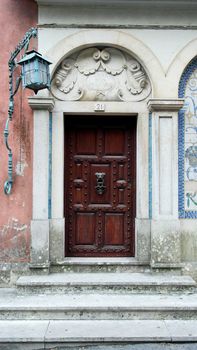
(48, 248)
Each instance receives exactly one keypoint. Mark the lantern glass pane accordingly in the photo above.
(29, 73)
(43, 72)
(36, 74)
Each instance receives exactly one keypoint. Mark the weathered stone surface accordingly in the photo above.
(106, 331)
(145, 346)
(188, 240)
(143, 241)
(23, 331)
(22, 346)
(182, 330)
(56, 248)
(14, 306)
(165, 243)
(53, 333)
(105, 282)
(123, 264)
(40, 243)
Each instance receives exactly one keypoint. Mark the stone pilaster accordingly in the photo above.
(40, 224)
(165, 226)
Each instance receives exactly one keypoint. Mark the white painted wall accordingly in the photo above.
(165, 44)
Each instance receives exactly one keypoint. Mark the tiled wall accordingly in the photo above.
(188, 143)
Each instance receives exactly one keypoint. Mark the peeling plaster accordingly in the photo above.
(21, 164)
(13, 224)
(20, 167)
(14, 241)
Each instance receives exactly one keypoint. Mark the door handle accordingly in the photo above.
(121, 184)
(100, 183)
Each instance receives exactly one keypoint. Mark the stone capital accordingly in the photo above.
(157, 104)
(41, 103)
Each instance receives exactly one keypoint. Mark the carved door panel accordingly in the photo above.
(100, 186)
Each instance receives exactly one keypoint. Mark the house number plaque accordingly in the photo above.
(99, 107)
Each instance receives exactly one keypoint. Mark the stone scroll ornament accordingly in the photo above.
(106, 74)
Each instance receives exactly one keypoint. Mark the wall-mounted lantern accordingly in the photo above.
(35, 71)
(34, 76)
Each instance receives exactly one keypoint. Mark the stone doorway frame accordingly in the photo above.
(47, 226)
(47, 232)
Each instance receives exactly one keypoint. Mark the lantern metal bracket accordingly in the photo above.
(12, 64)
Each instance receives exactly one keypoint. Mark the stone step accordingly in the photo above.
(15, 306)
(100, 265)
(47, 334)
(105, 283)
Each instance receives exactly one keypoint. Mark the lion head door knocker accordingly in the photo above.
(100, 183)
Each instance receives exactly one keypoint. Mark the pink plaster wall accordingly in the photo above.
(16, 17)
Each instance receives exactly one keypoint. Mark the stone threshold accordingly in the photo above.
(102, 261)
(105, 279)
(97, 331)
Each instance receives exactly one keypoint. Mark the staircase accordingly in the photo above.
(94, 302)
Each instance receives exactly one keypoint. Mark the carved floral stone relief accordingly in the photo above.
(100, 74)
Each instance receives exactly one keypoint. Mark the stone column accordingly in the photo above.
(165, 225)
(57, 222)
(39, 257)
(142, 222)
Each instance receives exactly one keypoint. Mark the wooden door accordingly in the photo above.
(100, 186)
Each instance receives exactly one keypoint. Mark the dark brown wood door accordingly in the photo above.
(100, 186)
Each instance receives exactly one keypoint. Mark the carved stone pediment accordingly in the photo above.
(100, 74)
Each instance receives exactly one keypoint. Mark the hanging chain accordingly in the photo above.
(12, 63)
